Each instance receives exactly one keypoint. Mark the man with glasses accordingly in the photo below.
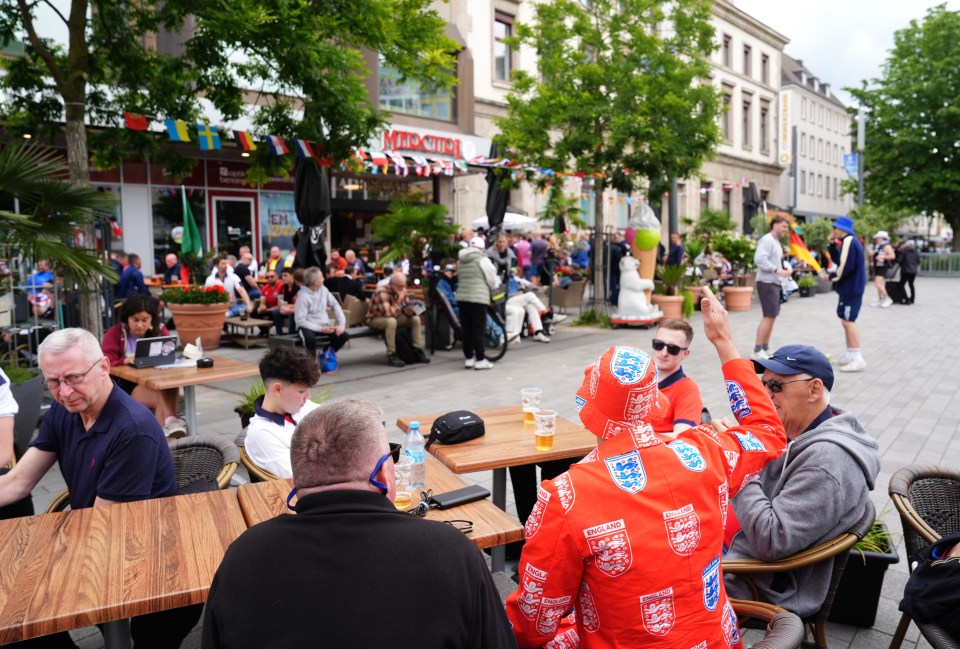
(110, 449)
(349, 570)
(812, 493)
(671, 346)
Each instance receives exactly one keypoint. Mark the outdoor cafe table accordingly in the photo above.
(77, 568)
(507, 442)
(162, 378)
(492, 526)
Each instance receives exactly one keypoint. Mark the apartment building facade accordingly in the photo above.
(818, 130)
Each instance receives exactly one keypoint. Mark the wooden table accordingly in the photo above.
(162, 378)
(507, 442)
(492, 526)
(246, 325)
(77, 568)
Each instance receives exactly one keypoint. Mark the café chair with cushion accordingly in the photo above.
(928, 501)
(200, 463)
(834, 550)
(783, 629)
(257, 474)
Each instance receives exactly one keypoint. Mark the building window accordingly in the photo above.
(836, 155)
(764, 126)
(836, 189)
(765, 69)
(725, 50)
(803, 109)
(725, 206)
(410, 98)
(747, 59)
(705, 196)
(747, 122)
(813, 147)
(819, 184)
(803, 182)
(502, 54)
(726, 118)
(820, 150)
(803, 145)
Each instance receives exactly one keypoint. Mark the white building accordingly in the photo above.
(746, 70)
(815, 128)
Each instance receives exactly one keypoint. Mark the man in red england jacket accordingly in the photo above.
(631, 536)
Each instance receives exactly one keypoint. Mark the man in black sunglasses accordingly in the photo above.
(349, 569)
(671, 346)
(817, 489)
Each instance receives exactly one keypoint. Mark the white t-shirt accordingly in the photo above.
(268, 440)
(230, 283)
(8, 405)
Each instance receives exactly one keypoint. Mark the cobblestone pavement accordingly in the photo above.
(905, 396)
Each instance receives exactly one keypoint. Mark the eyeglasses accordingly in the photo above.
(776, 386)
(69, 379)
(271, 277)
(373, 476)
(673, 350)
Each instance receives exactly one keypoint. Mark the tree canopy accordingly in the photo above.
(619, 95)
(912, 156)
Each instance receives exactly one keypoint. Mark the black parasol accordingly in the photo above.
(312, 196)
(497, 196)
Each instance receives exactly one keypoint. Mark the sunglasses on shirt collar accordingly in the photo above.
(673, 350)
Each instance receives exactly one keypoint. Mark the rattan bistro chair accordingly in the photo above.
(928, 500)
(783, 629)
(835, 550)
(200, 463)
(257, 474)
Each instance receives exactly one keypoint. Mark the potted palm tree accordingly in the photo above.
(739, 251)
(668, 296)
(409, 228)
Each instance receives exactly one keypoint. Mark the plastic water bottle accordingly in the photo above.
(413, 452)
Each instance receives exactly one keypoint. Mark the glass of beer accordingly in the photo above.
(404, 499)
(545, 423)
(530, 403)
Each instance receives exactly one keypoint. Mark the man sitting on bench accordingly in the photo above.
(388, 310)
(310, 313)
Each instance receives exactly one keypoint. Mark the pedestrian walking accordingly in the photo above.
(770, 269)
(849, 281)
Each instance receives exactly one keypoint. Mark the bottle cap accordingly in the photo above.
(414, 424)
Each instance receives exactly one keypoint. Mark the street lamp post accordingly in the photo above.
(861, 136)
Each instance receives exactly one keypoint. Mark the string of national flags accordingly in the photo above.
(374, 161)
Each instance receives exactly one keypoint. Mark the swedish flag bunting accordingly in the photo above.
(177, 130)
(209, 137)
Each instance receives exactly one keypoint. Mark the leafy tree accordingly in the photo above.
(869, 219)
(303, 62)
(409, 229)
(562, 206)
(912, 155)
(711, 225)
(619, 96)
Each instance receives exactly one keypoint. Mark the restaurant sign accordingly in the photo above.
(412, 140)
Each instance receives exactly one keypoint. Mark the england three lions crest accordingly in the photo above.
(738, 400)
(610, 547)
(730, 626)
(628, 365)
(566, 640)
(689, 455)
(711, 584)
(683, 529)
(551, 612)
(536, 514)
(723, 496)
(749, 442)
(565, 491)
(589, 617)
(657, 612)
(627, 471)
(531, 590)
(643, 435)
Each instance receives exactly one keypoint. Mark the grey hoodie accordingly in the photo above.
(813, 492)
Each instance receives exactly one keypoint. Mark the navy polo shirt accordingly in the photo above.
(123, 457)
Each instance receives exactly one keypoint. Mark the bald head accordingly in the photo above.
(398, 279)
(170, 260)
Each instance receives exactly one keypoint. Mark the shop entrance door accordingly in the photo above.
(234, 219)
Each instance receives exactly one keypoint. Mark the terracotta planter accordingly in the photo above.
(203, 320)
(737, 297)
(671, 305)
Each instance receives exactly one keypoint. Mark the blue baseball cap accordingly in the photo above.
(844, 223)
(798, 359)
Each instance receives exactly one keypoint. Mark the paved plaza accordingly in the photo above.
(908, 397)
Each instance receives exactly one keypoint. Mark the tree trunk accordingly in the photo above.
(597, 303)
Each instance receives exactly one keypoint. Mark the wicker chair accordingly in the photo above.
(198, 458)
(784, 630)
(928, 500)
(256, 473)
(835, 549)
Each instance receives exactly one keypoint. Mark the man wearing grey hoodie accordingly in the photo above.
(817, 489)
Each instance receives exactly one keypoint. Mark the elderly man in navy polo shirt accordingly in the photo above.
(110, 449)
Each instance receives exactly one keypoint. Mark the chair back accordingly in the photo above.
(257, 474)
(203, 457)
(784, 630)
(928, 500)
(357, 313)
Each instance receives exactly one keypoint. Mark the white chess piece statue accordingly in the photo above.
(633, 301)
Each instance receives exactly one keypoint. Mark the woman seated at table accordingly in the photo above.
(140, 318)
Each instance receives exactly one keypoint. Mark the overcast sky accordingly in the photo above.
(840, 41)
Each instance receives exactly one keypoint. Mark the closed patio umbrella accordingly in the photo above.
(312, 201)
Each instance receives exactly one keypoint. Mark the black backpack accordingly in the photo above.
(405, 349)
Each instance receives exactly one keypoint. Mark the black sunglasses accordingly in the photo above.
(776, 386)
(673, 350)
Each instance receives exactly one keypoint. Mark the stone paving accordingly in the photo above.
(908, 397)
